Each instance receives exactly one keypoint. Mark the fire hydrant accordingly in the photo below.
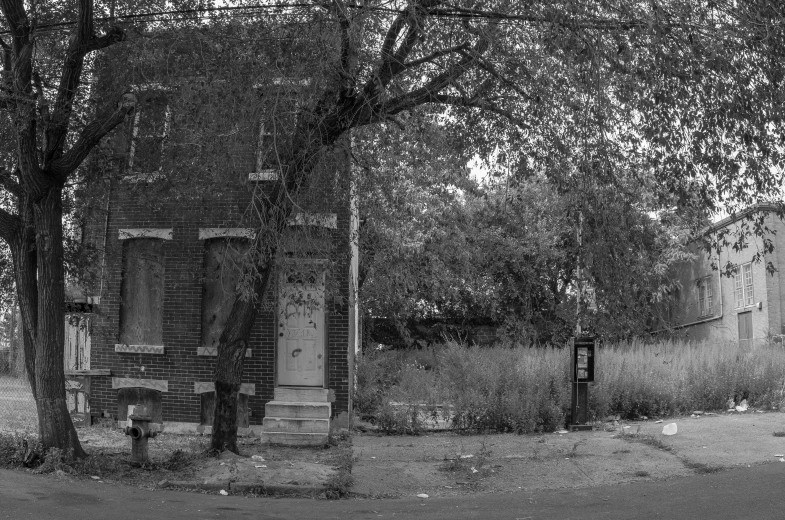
(138, 427)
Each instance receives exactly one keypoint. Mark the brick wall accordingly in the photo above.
(136, 205)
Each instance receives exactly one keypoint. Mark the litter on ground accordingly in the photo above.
(670, 429)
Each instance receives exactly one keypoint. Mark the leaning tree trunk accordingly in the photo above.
(229, 366)
(55, 428)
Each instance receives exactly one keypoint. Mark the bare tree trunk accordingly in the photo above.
(55, 428)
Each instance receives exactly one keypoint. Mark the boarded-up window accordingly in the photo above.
(139, 396)
(142, 292)
(222, 270)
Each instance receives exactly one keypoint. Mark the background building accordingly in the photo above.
(747, 306)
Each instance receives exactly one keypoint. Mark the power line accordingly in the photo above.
(450, 12)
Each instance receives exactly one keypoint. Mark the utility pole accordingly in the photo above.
(582, 352)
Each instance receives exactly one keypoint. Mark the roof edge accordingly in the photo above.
(759, 207)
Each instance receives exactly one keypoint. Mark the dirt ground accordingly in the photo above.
(446, 464)
(449, 464)
(257, 463)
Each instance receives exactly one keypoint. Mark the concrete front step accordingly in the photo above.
(294, 439)
(294, 394)
(297, 410)
(283, 425)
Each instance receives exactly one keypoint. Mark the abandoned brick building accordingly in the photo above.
(749, 305)
(145, 328)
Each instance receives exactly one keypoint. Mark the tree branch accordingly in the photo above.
(392, 36)
(435, 55)
(10, 225)
(426, 93)
(91, 136)
(347, 49)
(83, 41)
(21, 95)
(113, 35)
(476, 102)
(488, 67)
(396, 65)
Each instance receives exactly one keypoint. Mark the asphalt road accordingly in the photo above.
(743, 493)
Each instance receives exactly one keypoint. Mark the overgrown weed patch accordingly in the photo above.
(521, 389)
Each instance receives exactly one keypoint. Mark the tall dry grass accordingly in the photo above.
(669, 378)
(522, 389)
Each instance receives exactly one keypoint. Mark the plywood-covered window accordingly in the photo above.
(142, 292)
(222, 271)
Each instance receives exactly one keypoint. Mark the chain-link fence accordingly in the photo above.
(17, 407)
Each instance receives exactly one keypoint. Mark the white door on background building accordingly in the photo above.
(745, 329)
(301, 327)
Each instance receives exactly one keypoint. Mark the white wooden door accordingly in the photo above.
(77, 358)
(77, 342)
(301, 327)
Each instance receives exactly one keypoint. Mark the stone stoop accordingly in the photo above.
(298, 416)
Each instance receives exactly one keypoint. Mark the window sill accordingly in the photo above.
(263, 175)
(210, 233)
(139, 349)
(131, 233)
(95, 372)
(207, 387)
(151, 384)
(213, 351)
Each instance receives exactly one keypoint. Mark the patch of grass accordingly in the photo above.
(700, 468)
(179, 459)
(340, 484)
(647, 439)
(19, 449)
(472, 466)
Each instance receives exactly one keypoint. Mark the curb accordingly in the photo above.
(246, 487)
